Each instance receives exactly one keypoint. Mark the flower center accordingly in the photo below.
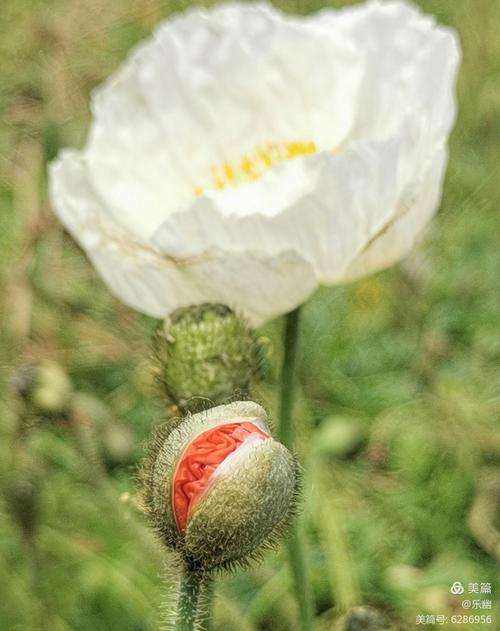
(252, 165)
(201, 459)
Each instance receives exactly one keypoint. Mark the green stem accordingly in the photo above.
(205, 605)
(188, 603)
(295, 543)
(288, 377)
(340, 568)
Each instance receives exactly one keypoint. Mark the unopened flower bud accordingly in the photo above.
(218, 486)
(117, 443)
(45, 387)
(205, 354)
(338, 437)
(366, 618)
(113, 441)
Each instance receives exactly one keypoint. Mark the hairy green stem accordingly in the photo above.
(205, 608)
(188, 604)
(295, 543)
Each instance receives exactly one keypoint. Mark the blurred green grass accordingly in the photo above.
(411, 357)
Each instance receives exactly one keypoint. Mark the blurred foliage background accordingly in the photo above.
(400, 394)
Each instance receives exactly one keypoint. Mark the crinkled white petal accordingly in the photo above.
(131, 163)
(141, 277)
(371, 86)
(134, 272)
(398, 237)
(208, 88)
(325, 207)
(262, 287)
(409, 67)
(333, 206)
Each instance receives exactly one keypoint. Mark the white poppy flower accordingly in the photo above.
(245, 156)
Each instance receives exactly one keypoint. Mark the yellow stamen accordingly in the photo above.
(247, 168)
(228, 172)
(252, 165)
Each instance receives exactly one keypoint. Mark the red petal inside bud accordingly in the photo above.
(199, 461)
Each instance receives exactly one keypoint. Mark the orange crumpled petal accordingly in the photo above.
(200, 459)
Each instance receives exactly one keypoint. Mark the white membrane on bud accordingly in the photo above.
(237, 456)
(255, 420)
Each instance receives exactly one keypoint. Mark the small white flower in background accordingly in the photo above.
(245, 156)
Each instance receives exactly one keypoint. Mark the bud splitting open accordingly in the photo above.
(203, 461)
(218, 486)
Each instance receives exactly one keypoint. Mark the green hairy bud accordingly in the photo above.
(205, 355)
(217, 487)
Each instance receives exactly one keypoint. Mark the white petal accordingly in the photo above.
(131, 163)
(398, 237)
(134, 272)
(331, 209)
(374, 83)
(260, 286)
(325, 207)
(208, 88)
(249, 74)
(410, 67)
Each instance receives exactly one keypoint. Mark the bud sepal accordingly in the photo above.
(205, 355)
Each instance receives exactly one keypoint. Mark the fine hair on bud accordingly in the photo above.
(218, 488)
(204, 354)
